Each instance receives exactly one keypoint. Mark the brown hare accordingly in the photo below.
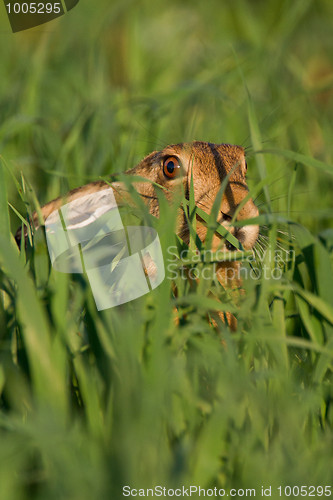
(173, 168)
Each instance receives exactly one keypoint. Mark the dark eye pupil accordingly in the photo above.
(170, 167)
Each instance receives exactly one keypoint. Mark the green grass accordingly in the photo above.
(92, 401)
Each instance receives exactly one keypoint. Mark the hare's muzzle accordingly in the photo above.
(247, 234)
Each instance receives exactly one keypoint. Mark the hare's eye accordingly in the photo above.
(171, 167)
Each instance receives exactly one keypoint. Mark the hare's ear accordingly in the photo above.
(144, 167)
(244, 167)
(148, 160)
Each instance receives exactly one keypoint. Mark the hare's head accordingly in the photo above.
(209, 164)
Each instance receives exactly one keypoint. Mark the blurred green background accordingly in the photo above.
(93, 401)
(96, 90)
